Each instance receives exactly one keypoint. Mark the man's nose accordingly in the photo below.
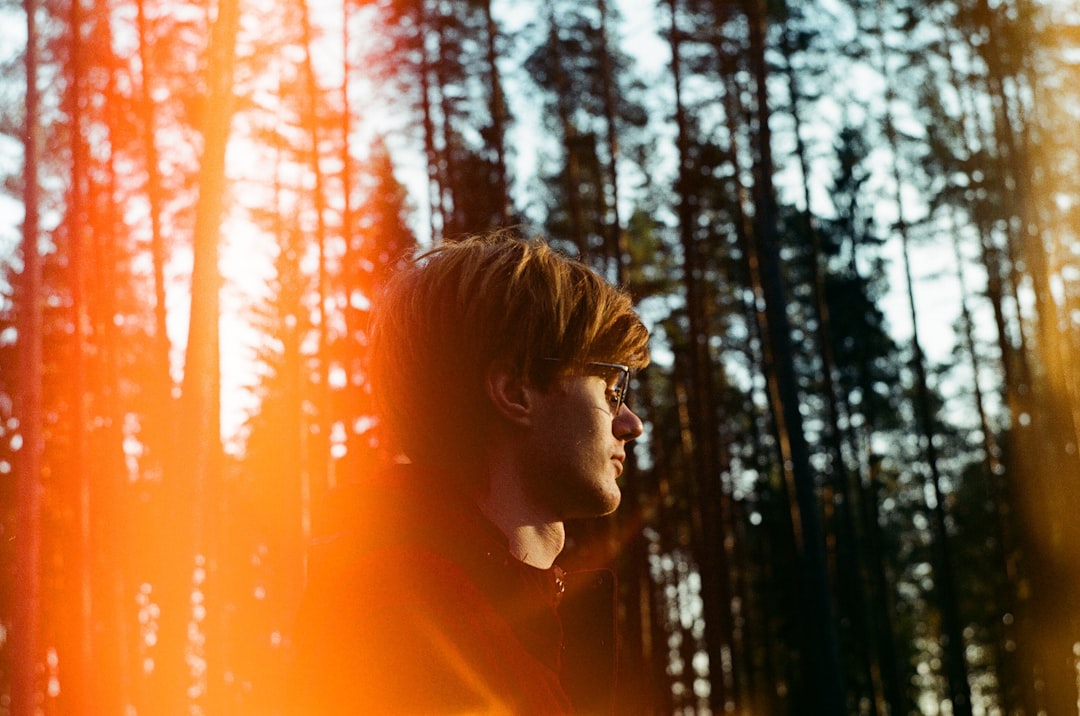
(627, 425)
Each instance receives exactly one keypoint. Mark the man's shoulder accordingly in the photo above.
(402, 541)
(406, 626)
(414, 586)
(392, 576)
(397, 520)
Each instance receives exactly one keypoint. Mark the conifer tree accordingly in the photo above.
(26, 653)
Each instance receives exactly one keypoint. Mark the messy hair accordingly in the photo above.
(444, 319)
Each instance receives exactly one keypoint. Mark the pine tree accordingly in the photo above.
(26, 649)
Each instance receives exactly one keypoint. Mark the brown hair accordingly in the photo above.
(445, 318)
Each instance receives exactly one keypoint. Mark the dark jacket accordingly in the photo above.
(415, 605)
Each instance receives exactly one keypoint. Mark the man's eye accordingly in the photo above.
(614, 396)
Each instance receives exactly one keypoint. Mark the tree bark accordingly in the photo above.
(572, 180)
(26, 693)
(79, 224)
(824, 678)
(498, 115)
(709, 510)
(196, 492)
(614, 236)
(319, 456)
(852, 583)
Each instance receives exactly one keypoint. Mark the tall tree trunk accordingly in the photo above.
(656, 692)
(437, 210)
(1018, 448)
(162, 426)
(1022, 444)
(295, 499)
(1014, 672)
(319, 456)
(1027, 443)
(956, 670)
(952, 642)
(498, 115)
(26, 690)
(709, 509)
(638, 653)
(446, 141)
(195, 493)
(160, 433)
(784, 614)
(1049, 479)
(614, 237)
(824, 680)
(80, 226)
(572, 180)
(850, 557)
(868, 489)
(116, 638)
(202, 364)
(348, 231)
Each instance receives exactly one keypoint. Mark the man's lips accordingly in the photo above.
(620, 461)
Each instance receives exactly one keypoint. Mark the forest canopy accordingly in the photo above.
(852, 229)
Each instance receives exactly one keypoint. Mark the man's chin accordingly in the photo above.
(616, 501)
(587, 501)
(609, 503)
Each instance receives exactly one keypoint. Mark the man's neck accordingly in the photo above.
(532, 538)
(537, 545)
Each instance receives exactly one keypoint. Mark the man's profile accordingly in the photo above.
(499, 371)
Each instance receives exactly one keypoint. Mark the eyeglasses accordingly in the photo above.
(617, 377)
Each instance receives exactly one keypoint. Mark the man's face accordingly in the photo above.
(578, 448)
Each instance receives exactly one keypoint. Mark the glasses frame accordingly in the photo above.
(622, 386)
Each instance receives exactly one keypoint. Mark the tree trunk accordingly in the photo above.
(850, 558)
(26, 692)
(956, 670)
(437, 217)
(614, 236)
(161, 434)
(196, 492)
(446, 145)
(824, 678)
(117, 640)
(952, 643)
(708, 509)
(877, 583)
(349, 231)
(319, 456)
(572, 179)
(498, 116)
(80, 227)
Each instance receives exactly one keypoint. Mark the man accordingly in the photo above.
(499, 372)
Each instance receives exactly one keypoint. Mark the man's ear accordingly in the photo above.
(509, 393)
